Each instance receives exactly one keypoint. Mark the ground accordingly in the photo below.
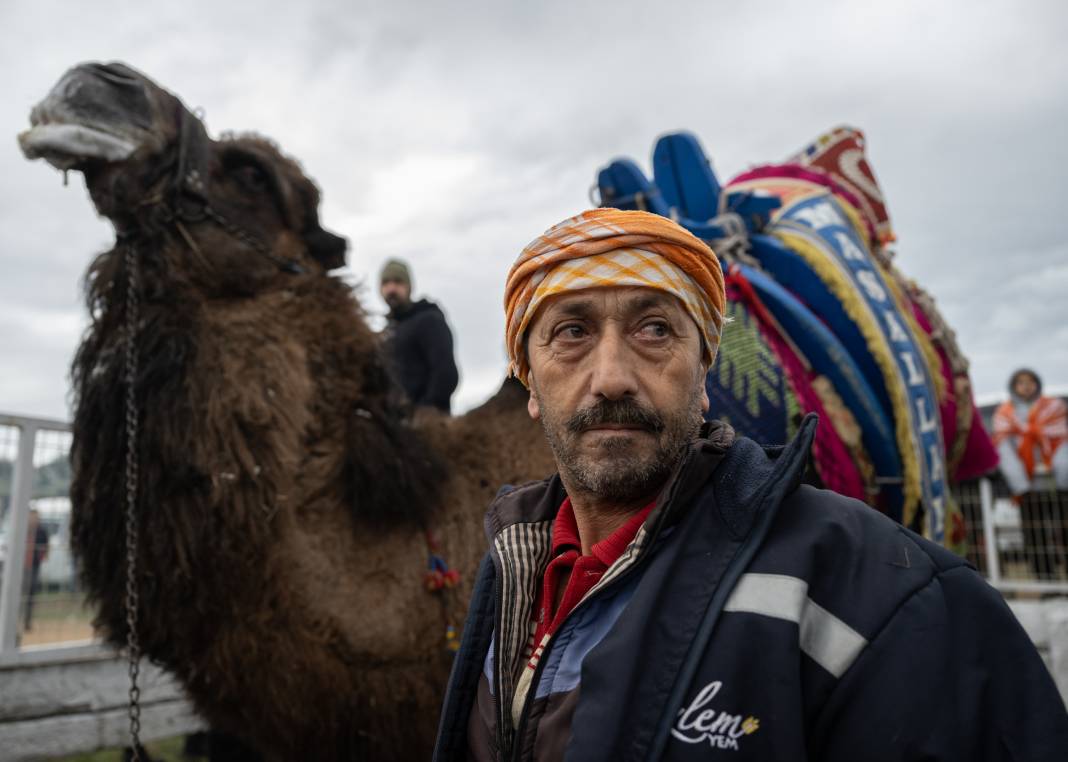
(165, 750)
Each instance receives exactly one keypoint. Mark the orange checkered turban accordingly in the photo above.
(610, 247)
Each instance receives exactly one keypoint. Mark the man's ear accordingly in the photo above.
(705, 404)
(532, 403)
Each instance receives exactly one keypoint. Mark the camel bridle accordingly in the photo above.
(187, 208)
(185, 202)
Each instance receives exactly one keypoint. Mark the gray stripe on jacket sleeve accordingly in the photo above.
(829, 641)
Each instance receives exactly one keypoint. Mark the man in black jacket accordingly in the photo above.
(418, 342)
(674, 592)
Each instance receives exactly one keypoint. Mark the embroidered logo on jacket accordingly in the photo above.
(700, 722)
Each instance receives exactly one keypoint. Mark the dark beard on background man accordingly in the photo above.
(617, 473)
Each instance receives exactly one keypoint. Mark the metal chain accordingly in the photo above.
(133, 646)
(254, 243)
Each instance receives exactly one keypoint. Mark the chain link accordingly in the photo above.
(254, 243)
(133, 646)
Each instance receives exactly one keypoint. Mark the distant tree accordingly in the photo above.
(6, 468)
(51, 479)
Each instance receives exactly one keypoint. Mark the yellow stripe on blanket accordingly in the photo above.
(829, 271)
(896, 281)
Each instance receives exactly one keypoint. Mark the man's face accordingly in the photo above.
(395, 293)
(617, 380)
(1025, 387)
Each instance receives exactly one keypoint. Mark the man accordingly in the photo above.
(673, 593)
(418, 342)
(36, 553)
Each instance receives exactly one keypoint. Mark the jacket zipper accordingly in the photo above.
(513, 753)
(498, 619)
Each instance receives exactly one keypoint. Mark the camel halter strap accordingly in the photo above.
(189, 186)
(184, 202)
(133, 645)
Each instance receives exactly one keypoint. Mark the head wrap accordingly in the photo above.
(394, 269)
(608, 248)
(1024, 372)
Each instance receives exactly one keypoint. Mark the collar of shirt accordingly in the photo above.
(566, 534)
(581, 572)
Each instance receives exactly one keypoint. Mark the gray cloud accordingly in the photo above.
(451, 134)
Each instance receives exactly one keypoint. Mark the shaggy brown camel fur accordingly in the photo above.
(282, 504)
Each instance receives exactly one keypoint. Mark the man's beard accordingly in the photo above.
(620, 470)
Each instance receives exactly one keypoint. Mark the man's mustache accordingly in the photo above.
(624, 412)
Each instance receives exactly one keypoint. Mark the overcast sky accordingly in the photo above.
(450, 134)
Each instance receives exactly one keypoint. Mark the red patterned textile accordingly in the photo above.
(840, 153)
(798, 172)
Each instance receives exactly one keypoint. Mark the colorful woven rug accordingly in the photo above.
(819, 229)
(836, 463)
(747, 385)
(882, 368)
(840, 153)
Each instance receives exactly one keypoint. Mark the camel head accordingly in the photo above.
(235, 213)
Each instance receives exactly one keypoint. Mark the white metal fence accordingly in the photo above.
(40, 603)
(61, 690)
(1021, 546)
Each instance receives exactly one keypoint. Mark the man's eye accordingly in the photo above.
(572, 331)
(656, 330)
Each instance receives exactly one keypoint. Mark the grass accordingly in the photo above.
(58, 616)
(164, 750)
(60, 605)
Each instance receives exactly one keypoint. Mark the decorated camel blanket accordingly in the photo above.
(824, 322)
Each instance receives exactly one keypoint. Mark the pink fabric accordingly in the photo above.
(808, 174)
(980, 457)
(833, 461)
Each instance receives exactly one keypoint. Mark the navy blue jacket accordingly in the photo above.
(418, 345)
(762, 620)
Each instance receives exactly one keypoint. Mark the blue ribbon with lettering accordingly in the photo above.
(820, 219)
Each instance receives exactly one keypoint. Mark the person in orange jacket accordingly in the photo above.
(1030, 431)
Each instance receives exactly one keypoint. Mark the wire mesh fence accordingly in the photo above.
(41, 604)
(1018, 544)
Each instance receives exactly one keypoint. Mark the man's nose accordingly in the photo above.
(613, 374)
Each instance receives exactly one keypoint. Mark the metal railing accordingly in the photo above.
(41, 607)
(1020, 546)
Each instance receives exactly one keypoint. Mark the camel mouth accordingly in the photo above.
(73, 146)
(96, 113)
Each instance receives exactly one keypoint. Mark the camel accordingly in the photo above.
(284, 505)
